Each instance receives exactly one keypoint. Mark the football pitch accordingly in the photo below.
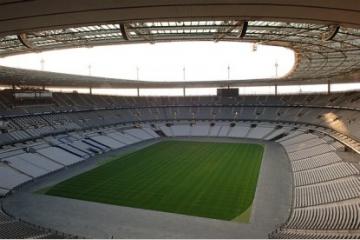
(206, 179)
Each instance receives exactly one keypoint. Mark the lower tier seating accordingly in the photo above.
(25, 162)
(326, 199)
(326, 188)
(11, 228)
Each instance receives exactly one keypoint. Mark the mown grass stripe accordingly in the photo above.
(215, 180)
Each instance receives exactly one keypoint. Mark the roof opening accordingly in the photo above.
(171, 61)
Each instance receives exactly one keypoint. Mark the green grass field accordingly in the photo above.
(214, 180)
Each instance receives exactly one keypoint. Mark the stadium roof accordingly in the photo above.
(324, 34)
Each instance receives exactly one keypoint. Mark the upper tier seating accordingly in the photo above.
(339, 115)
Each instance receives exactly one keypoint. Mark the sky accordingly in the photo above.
(175, 61)
(165, 61)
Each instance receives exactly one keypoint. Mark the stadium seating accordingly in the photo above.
(200, 130)
(326, 200)
(260, 132)
(237, 131)
(326, 187)
(12, 228)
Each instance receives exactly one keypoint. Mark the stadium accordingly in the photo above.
(90, 156)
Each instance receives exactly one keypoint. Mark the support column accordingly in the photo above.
(184, 91)
(138, 92)
(90, 90)
(276, 89)
(43, 87)
(329, 87)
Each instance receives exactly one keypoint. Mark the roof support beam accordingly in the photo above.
(241, 25)
(333, 30)
(24, 41)
(51, 14)
(243, 29)
(124, 32)
(144, 33)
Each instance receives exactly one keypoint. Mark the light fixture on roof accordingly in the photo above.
(184, 73)
(228, 71)
(89, 69)
(137, 73)
(254, 47)
(276, 68)
(42, 64)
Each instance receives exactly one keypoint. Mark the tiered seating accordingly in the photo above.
(83, 144)
(60, 156)
(290, 135)
(38, 160)
(326, 173)
(327, 192)
(150, 132)
(199, 108)
(214, 131)
(61, 122)
(326, 189)
(181, 130)
(19, 230)
(123, 138)
(319, 234)
(304, 144)
(340, 216)
(315, 161)
(24, 162)
(166, 130)
(25, 167)
(5, 218)
(259, 132)
(67, 146)
(297, 137)
(6, 138)
(94, 146)
(19, 135)
(224, 131)
(338, 146)
(3, 191)
(311, 151)
(11, 228)
(139, 134)
(108, 141)
(238, 131)
(200, 130)
(78, 144)
(34, 125)
(10, 178)
(167, 108)
(326, 199)
(11, 132)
